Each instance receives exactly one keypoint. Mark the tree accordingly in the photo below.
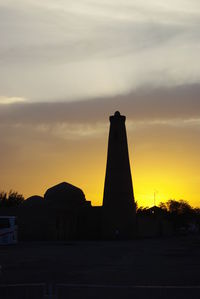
(176, 207)
(10, 199)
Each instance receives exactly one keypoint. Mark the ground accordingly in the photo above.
(118, 264)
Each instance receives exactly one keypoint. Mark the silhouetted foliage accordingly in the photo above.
(183, 217)
(10, 199)
(143, 211)
(176, 207)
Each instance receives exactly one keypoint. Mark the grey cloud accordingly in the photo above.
(153, 104)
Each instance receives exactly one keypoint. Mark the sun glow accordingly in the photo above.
(164, 161)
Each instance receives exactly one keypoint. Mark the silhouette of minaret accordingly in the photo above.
(118, 200)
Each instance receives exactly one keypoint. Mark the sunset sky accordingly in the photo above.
(66, 65)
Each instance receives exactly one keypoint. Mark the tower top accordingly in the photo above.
(117, 113)
(117, 117)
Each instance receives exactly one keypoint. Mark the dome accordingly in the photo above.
(64, 193)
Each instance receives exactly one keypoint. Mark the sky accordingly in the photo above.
(66, 66)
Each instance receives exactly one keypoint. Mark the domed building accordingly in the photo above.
(65, 194)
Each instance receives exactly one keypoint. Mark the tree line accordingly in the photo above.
(180, 213)
(172, 207)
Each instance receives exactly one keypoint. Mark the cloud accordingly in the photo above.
(163, 104)
(83, 49)
(11, 100)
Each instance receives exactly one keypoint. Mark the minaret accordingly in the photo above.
(118, 201)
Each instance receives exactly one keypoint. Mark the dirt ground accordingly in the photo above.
(174, 261)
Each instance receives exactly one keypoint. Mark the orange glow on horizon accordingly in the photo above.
(160, 161)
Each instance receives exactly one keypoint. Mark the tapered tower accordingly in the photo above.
(118, 200)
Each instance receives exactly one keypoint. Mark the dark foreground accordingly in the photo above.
(159, 268)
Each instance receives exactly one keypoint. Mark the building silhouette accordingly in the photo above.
(118, 202)
(63, 213)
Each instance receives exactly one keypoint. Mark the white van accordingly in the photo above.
(8, 230)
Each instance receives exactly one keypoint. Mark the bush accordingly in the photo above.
(10, 199)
